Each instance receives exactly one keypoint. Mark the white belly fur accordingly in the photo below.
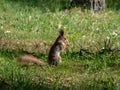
(58, 54)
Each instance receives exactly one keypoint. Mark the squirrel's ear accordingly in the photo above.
(61, 32)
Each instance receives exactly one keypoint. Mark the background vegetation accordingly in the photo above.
(92, 61)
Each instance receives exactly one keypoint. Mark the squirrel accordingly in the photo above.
(54, 57)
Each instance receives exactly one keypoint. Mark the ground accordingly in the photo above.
(92, 61)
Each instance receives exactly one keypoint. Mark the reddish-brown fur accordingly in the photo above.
(59, 45)
(54, 55)
(30, 59)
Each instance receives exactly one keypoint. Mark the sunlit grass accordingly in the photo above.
(90, 62)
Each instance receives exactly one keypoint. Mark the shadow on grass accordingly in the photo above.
(113, 4)
(23, 82)
(86, 85)
(44, 5)
(102, 54)
(83, 53)
(58, 5)
(11, 54)
(3, 84)
(54, 5)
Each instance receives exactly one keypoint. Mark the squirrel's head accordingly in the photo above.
(63, 38)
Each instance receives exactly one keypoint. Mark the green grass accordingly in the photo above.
(91, 62)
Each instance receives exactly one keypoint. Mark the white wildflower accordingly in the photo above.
(7, 31)
(65, 27)
(83, 36)
(18, 42)
(97, 29)
(1, 27)
(103, 47)
(114, 34)
(59, 25)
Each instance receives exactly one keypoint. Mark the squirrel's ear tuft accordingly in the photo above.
(61, 32)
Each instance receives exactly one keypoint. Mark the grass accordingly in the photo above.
(92, 60)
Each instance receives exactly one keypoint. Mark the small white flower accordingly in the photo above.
(97, 29)
(103, 47)
(7, 31)
(18, 42)
(83, 36)
(65, 27)
(59, 25)
(1, 27)
(114, 34)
